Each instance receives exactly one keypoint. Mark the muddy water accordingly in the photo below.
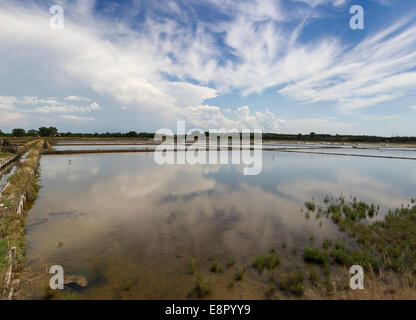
(130, 227)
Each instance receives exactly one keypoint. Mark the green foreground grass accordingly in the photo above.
(385, 248)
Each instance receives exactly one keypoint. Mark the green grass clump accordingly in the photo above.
(192, 265)
(328, 285)
(215, 267)
(270, 262)
(201, 287)
(273, 260)
(293, 283)
(231, 263)
(239, 274)
(314, 275)
(48, 292)
(259, 263)
(327, 243)
(310, 206)
(270, 289)
(3, 253)
(314, 255)
(389, 243)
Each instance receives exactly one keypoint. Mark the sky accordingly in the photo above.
(284, 66)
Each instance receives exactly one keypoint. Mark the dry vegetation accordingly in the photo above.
(12, 224)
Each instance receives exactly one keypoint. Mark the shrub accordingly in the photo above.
(310, 206)
(293, 283)
(314, 255)
(327, 243)
(259, 263)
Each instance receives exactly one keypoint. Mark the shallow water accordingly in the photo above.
(131, 227)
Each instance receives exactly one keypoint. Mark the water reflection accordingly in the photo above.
(120, 218)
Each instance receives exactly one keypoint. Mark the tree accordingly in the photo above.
(53, 131)
(131, 134)
(32, 133)
(18, 132)
(48, 132)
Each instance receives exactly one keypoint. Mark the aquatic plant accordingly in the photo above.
(270, 289)
(259, 263)
(192, 265)
(215, 267)
(239, 274)
(314, 255)
(201, 287)
(231, 263)
(310, 206)
(314, 275)
(293, 283)
(326, 243)
(271, 261)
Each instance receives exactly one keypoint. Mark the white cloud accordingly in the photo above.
(413, 107)
(129, 67)
(314, 3)
(66, 108)
(206, 117)
(76, 98)
(44, 105)
(77, 118)
(11, 118)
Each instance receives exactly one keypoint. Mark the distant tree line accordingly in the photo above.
(337, 138)
(42, 132)
(53, 132)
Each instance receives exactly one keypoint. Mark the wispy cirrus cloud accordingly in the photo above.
(169, 66)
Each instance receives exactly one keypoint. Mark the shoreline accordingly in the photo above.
(16, 199)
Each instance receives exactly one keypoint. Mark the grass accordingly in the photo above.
(259, 263)
(231, 263)
(326, 243)
(239, 274)
(387, 243)
(270, 289)
(192, 265)
(202, 287)
(48, 292)
(310, 206)
(215, 267)
(294, 250)
(4, 155)
(314, 255)
(314, 275)
(12, 225)
(270, 262)
(3, 254)
(293, 283)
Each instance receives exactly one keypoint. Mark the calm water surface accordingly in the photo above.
(131, 227)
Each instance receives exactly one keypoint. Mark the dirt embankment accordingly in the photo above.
(15, 201)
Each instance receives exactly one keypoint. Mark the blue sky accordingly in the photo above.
(286, 66)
